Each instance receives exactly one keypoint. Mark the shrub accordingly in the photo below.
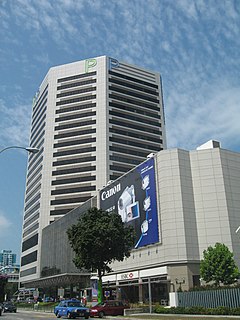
(197, 310)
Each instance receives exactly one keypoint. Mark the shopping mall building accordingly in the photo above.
(179, 202)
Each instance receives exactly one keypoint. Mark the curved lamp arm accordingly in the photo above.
(29, 149)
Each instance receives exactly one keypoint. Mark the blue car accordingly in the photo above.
(71, 309)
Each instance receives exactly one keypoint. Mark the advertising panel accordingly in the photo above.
(134, 197)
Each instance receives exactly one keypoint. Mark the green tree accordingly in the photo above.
(218, 265)
(10, 289)
(98, 239)
(3, 282)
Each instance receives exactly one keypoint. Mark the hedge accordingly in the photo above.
(197, 310)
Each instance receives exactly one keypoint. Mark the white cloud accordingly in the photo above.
(199, 120)
(5, 224)
(14, 124)
(193, 44)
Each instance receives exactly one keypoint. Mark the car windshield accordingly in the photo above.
(74, 304)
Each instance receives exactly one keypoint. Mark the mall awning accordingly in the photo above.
(60, 280)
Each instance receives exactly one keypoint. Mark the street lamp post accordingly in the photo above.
(29, 149)
(180, 282)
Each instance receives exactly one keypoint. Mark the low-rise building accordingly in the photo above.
(179, 202)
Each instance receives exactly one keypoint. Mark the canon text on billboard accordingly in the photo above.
(133, 196)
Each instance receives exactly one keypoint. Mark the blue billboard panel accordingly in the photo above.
(133, 196)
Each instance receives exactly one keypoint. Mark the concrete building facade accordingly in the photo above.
(7, 258)
(197, 205)
(92, 121)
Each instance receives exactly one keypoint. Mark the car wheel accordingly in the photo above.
(101, 314)
(58, 315)
(86, 317)
(69, 316)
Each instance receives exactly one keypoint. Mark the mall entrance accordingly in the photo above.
(135, 292)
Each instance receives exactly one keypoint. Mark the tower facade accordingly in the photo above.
(7, 258)
(92, 121)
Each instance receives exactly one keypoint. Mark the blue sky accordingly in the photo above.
(195, 45)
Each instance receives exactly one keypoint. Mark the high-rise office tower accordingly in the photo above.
(7, 258)
(92, 121)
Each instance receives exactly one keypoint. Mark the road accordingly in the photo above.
(27, 315)
(31, 315)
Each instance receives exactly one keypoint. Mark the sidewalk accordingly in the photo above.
(152, 316)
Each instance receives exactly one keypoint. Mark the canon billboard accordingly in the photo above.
(134, 197)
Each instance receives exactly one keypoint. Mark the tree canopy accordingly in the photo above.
(218, 265)
(98, 239)
(3, 282)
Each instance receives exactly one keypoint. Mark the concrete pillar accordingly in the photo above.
(140, 290)
(118, 291)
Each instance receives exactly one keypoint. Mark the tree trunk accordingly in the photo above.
(100, 293)
(3, 283)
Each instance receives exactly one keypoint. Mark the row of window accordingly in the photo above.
(41, 116)
(30, 212)
(74, 92)
(77, 76)
(134, 126)
(35, 199)
(31, 186)
(74, 142)
(135, 162)
(135, 135)
(73, 180)
(74, 151)
(34, 159)
(134, 109)
(133, 86)
(74, 190)
(133, 101)
(31, 220)
(29, 243)
(33, 134)
(129, 151)
(133, 94)
(75, 125)
(30, 230)
(74, 161)
(115, 176)
(40, 141)
(34, 167)
(76, 108)
(29, 258)
(73, 170)
(67, 101)
(34, 175)
(29, 196)
(71, 200)
(36, 134)
(40, 99)
(135, 144)
(119, 168)
(134, 118)
(124, 76)
(28, 272)
(76, 116)
(76, 84)
(74, 133)
(59, 212)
